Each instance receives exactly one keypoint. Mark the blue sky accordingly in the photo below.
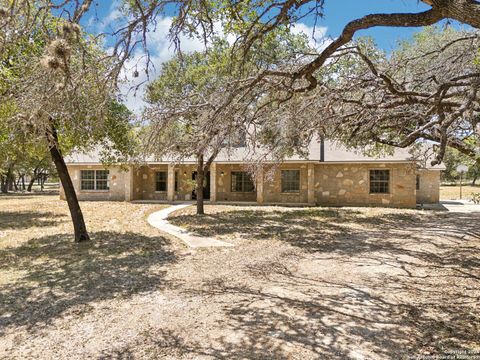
(337, 14)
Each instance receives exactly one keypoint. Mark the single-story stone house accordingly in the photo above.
(329, 175)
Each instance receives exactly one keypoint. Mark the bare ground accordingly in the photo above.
(299, 284)
(452, 192)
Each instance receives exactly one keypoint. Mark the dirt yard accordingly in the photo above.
(453, 192)
(318, 283)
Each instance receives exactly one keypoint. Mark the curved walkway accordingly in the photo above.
(159, 220)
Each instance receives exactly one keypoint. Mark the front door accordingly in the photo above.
(206, 186)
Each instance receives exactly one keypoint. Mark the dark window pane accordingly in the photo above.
(241, 182)
(290, 180)
(417, 184)
(379, 181)
(176, 181)
(161, 181)
(101, 179)
(102, 174)
(87, 181)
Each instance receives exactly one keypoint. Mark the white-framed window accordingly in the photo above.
(161, 181)
(379, 181)
(94, 180)
(290, 181)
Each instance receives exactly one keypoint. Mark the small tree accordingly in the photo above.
(183, 103)
(57, 91)
(193, 111)
(427, 89)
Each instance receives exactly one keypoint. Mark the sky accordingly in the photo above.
(337, 14)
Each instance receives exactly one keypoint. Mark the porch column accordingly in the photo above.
(260, 185)
(129, 184)
(213, 182)
(171, 183)
(311, 183)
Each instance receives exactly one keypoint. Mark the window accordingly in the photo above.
(417, 184)
(242, 182)
(176, 181)
(379, 181)
(290, 181)
(161, 181)
(94, 180)
(101, 179)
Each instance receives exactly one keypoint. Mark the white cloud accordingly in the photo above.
(162, 50)
(317, 36)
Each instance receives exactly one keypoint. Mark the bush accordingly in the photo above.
(476, 198)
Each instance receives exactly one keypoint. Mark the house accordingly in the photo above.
(330, 175)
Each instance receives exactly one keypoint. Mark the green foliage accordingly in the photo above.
(452, 160)
(189, 112)
(76, 95)
(476, 198)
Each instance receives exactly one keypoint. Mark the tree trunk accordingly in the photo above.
(32, 181)
(15, 183)
(23, 182)
(10, 179)
(80, 229)
(474, 180)
(200, 180)
(42, 181)
(3, 184)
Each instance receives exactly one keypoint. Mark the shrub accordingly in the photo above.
(476, 198)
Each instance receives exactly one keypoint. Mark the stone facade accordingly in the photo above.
(429, 185)
(224, 184)
(331, 184)
(119, 184)
(272, 185)
(349, 184)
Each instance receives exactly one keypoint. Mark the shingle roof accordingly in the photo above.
(333, 153)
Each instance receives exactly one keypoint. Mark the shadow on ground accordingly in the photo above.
(387, 286)
(57, 276)
(18, 220)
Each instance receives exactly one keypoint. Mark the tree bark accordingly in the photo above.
(3, 184)
(15, 182)
(10, 179)
(79, 226)
(200, 181)
(43, 178)
(32, 181)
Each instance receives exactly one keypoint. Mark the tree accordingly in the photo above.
(57, 90)
(254, 21)
(186, 112)
(427, 89)
(251, 23)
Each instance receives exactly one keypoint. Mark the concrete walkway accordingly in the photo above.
(455, 206)
(159, 220)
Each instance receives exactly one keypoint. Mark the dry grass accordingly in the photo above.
(453, 192)
(299, 284)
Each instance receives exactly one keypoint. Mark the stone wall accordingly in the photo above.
(147, 187)
(349, 184)
(272, 186)
(145, 182)
(429, 191)
(327, 184)
(184, 182)
(224, 184)
(117, 184)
